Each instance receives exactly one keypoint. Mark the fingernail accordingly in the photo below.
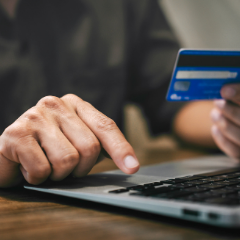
(130, 162)
(220, 103)
(228, 92)
(215, 115)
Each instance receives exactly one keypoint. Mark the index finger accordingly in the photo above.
(109, 135)
(231, 92)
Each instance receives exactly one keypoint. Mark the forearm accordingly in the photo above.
(193, 124)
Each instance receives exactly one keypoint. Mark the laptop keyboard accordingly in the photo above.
(221, 188)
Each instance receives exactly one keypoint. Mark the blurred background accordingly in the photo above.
(197, 24)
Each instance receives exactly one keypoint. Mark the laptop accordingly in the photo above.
(205, 190)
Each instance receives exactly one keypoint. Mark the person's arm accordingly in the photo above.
(193, 124)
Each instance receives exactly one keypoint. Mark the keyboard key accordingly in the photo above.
(119, 190)
(234, 187)
(237, 174)
(232, 181)
(136, 188)
(176, 180)
(148, 185)
(189, 178)
(141, 188)
(169, 181)
(155, 191)
(157, 183)
(183, 185)
(217, 179)
(227, 176)
(226, 183)
(211, 186)
(196, 189)
(223, 183)
(198, 182)
(224, 191)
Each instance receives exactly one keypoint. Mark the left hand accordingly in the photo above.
(226, 121)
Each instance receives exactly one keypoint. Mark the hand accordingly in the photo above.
(226, 119)
(58, 137)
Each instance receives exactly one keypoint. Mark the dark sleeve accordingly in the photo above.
(154, 52)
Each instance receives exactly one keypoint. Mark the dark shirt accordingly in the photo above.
(108, 52)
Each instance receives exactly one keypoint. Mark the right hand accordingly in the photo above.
(58, 137)
(226, 119)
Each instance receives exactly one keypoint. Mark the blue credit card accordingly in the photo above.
(200, 74)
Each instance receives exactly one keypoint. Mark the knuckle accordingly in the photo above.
(68, 160)
(14, 139)
(92, 148)
(40, 172)
(32, 115)
(73, 100)
(50, 102)
(25, 126)
(15, 130)
(70, 96)
(105, 124)
(22, 130)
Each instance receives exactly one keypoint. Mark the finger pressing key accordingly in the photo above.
(109, 135)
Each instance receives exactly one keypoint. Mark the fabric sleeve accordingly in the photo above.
(153, 56)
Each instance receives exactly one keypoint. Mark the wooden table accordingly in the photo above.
(33, 215)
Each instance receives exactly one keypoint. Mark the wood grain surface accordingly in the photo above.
(33, 215)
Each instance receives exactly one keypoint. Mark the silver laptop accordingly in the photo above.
(203, 190)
